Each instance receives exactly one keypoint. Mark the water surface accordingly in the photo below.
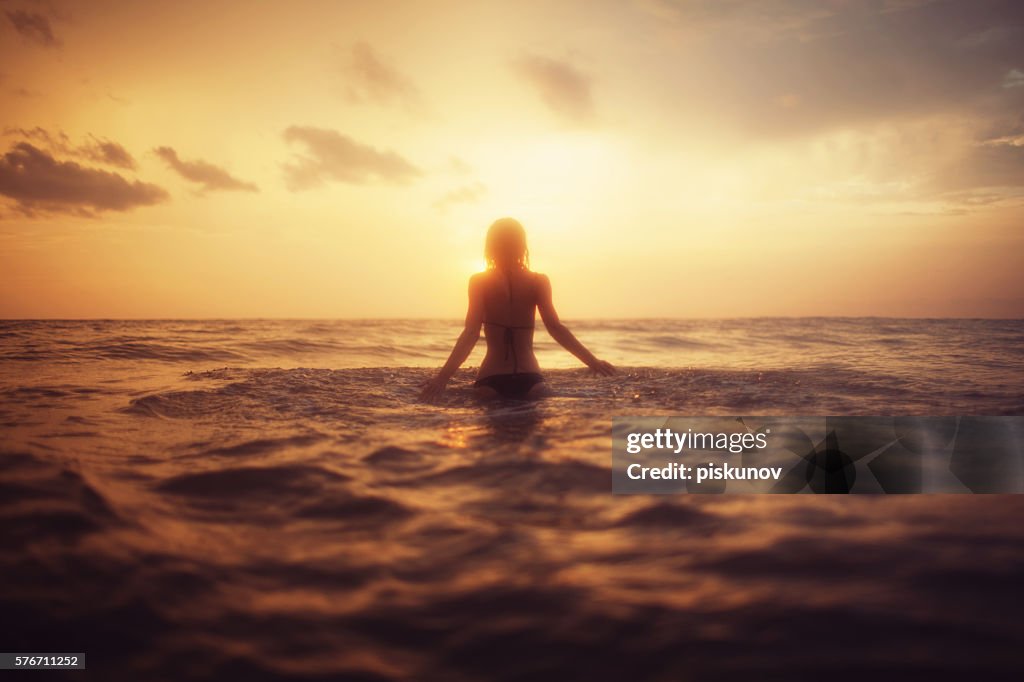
(267, 500)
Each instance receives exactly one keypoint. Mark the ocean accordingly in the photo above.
(268, 500)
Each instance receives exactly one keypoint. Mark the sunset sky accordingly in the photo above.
(667, 158)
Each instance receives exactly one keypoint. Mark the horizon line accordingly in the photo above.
(459, 319)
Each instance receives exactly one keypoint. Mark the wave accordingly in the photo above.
(43, 500)
(767, 343)
(373, 394)
(667, 341)
(269, 482)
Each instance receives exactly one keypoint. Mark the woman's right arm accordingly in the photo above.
(463, 346)
(560, 333)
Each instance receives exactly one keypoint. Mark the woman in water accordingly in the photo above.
(503, 299)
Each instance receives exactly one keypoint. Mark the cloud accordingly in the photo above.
(210, 177)
(564, 89)
(945, 162)
(99, 150)
(965, 168)
(459, 166)
(33, 26)
(467, 194)
(110, 153)
(797, 67)
(373, 78)
(1014, 79)
(25, 92)
(333, 156)
(785, 20)
(38, 182)
(993, 165)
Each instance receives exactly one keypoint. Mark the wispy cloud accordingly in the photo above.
(329, 155)
(1014, 79)
(374, 78)
(562, 87)
(40, 183)
(459, 166)
(994, 167)
(25, 92)
(208, 176)
(467, 194)
(33, 26)
(110, 153)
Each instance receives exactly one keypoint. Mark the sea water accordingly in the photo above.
(262, 500)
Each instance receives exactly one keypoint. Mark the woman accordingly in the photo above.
(504, 299)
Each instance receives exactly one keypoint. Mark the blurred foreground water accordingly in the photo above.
(263, 500)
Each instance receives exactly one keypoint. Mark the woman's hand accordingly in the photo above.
(431, 389)
(602, 367)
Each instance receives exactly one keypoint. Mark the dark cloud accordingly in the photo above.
(373, 78)
(98, 150)
(792, 67)
(208, 176)
(787, 19)
(33, 26)
(933, 90)
(329, 155)
(564, 89)
(467, 194)
(38, 182)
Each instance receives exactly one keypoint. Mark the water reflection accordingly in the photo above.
(513, 423)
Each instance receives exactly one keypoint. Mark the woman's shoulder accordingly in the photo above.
(489, 274)
(478, 278)
(535, 281)
(540, 279)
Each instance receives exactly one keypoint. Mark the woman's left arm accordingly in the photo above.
(463, 346)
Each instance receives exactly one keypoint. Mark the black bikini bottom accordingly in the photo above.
(511, 385)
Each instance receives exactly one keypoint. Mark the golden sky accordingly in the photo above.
(667, 158)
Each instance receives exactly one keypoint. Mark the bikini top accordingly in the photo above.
(510, 337)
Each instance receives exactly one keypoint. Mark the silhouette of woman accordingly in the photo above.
(504, 300)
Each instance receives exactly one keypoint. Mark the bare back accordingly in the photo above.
(508, 304)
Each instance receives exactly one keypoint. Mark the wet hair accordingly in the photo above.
(506, 245)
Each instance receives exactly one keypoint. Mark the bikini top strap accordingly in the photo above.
(510, 340)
